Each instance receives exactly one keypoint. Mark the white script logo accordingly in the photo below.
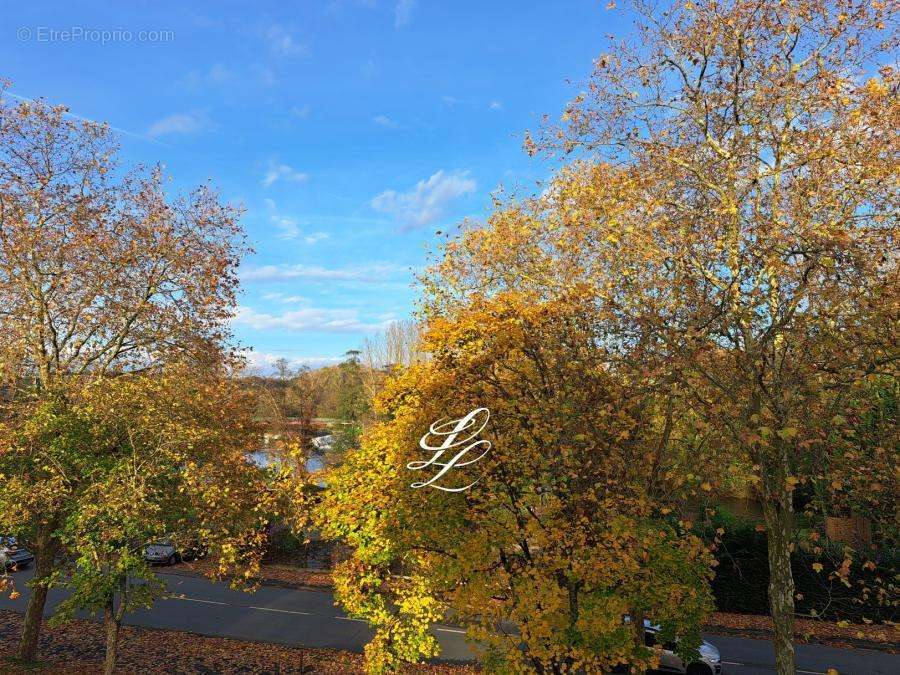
(445, 435)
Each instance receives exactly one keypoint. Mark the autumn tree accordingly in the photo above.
(564, 531)
(159, 457)
(855, 471)
(756, 144)
(100, 274)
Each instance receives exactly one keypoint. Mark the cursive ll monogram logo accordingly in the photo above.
(445, 436)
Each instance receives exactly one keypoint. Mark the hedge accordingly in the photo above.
(742, 576)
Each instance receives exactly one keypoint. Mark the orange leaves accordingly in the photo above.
(561, 501)
(109, 254)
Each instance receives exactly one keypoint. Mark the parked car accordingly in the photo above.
(165, 553)
(709, 663)
(13, 557)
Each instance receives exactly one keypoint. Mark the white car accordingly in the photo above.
(165, 553)
(709, 663)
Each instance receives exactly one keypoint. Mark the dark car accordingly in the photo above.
(12, 556)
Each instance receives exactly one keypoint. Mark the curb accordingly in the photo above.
(274, 583)
(837, 642)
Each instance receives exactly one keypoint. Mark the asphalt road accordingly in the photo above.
(310, 619)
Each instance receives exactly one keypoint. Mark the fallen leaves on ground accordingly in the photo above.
(78, 647)
(809, 630)
(270, 573)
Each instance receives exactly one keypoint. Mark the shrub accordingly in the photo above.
(863, 590)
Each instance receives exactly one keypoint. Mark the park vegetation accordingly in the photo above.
(707, 292)
(701, 301)
(120, 424)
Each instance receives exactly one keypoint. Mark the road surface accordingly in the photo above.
(310, 619)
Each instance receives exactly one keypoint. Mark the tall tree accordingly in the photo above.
(352, 401)
(100, 274)
(757, 143)
(161, 457)
(564, 531)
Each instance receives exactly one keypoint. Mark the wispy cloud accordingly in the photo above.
(473, 103)
(279, 171)
(306, 319)
(290, 227)
(427, 201)
(384, 121)
(180, 124)
(301, 111)
(284, 298)
(281, 42)
(370, 68)
(264, 362)
(403, 12)
(315, 237)
(264, 76)
(219, 73)
(369, 272)
(71, 115)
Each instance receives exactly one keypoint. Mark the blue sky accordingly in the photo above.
(351, 130)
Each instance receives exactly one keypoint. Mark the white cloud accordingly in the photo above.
(288, 226)
(427, 201)
(315, 237)
(306, 319)
(278, 171)
(180, 123)
(384, 121)
(264, 362)
(301, 111)
(476, 104)
(284, 299)
(283, 43)
(219, 73)
(403, 12)
(370, 272)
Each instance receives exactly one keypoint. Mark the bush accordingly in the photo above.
(742, 576)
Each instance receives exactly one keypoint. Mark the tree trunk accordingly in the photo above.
(111, 623)
(637, 628)
(778, 514)
(45, 550)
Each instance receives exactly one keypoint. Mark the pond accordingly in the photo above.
(264, 459)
